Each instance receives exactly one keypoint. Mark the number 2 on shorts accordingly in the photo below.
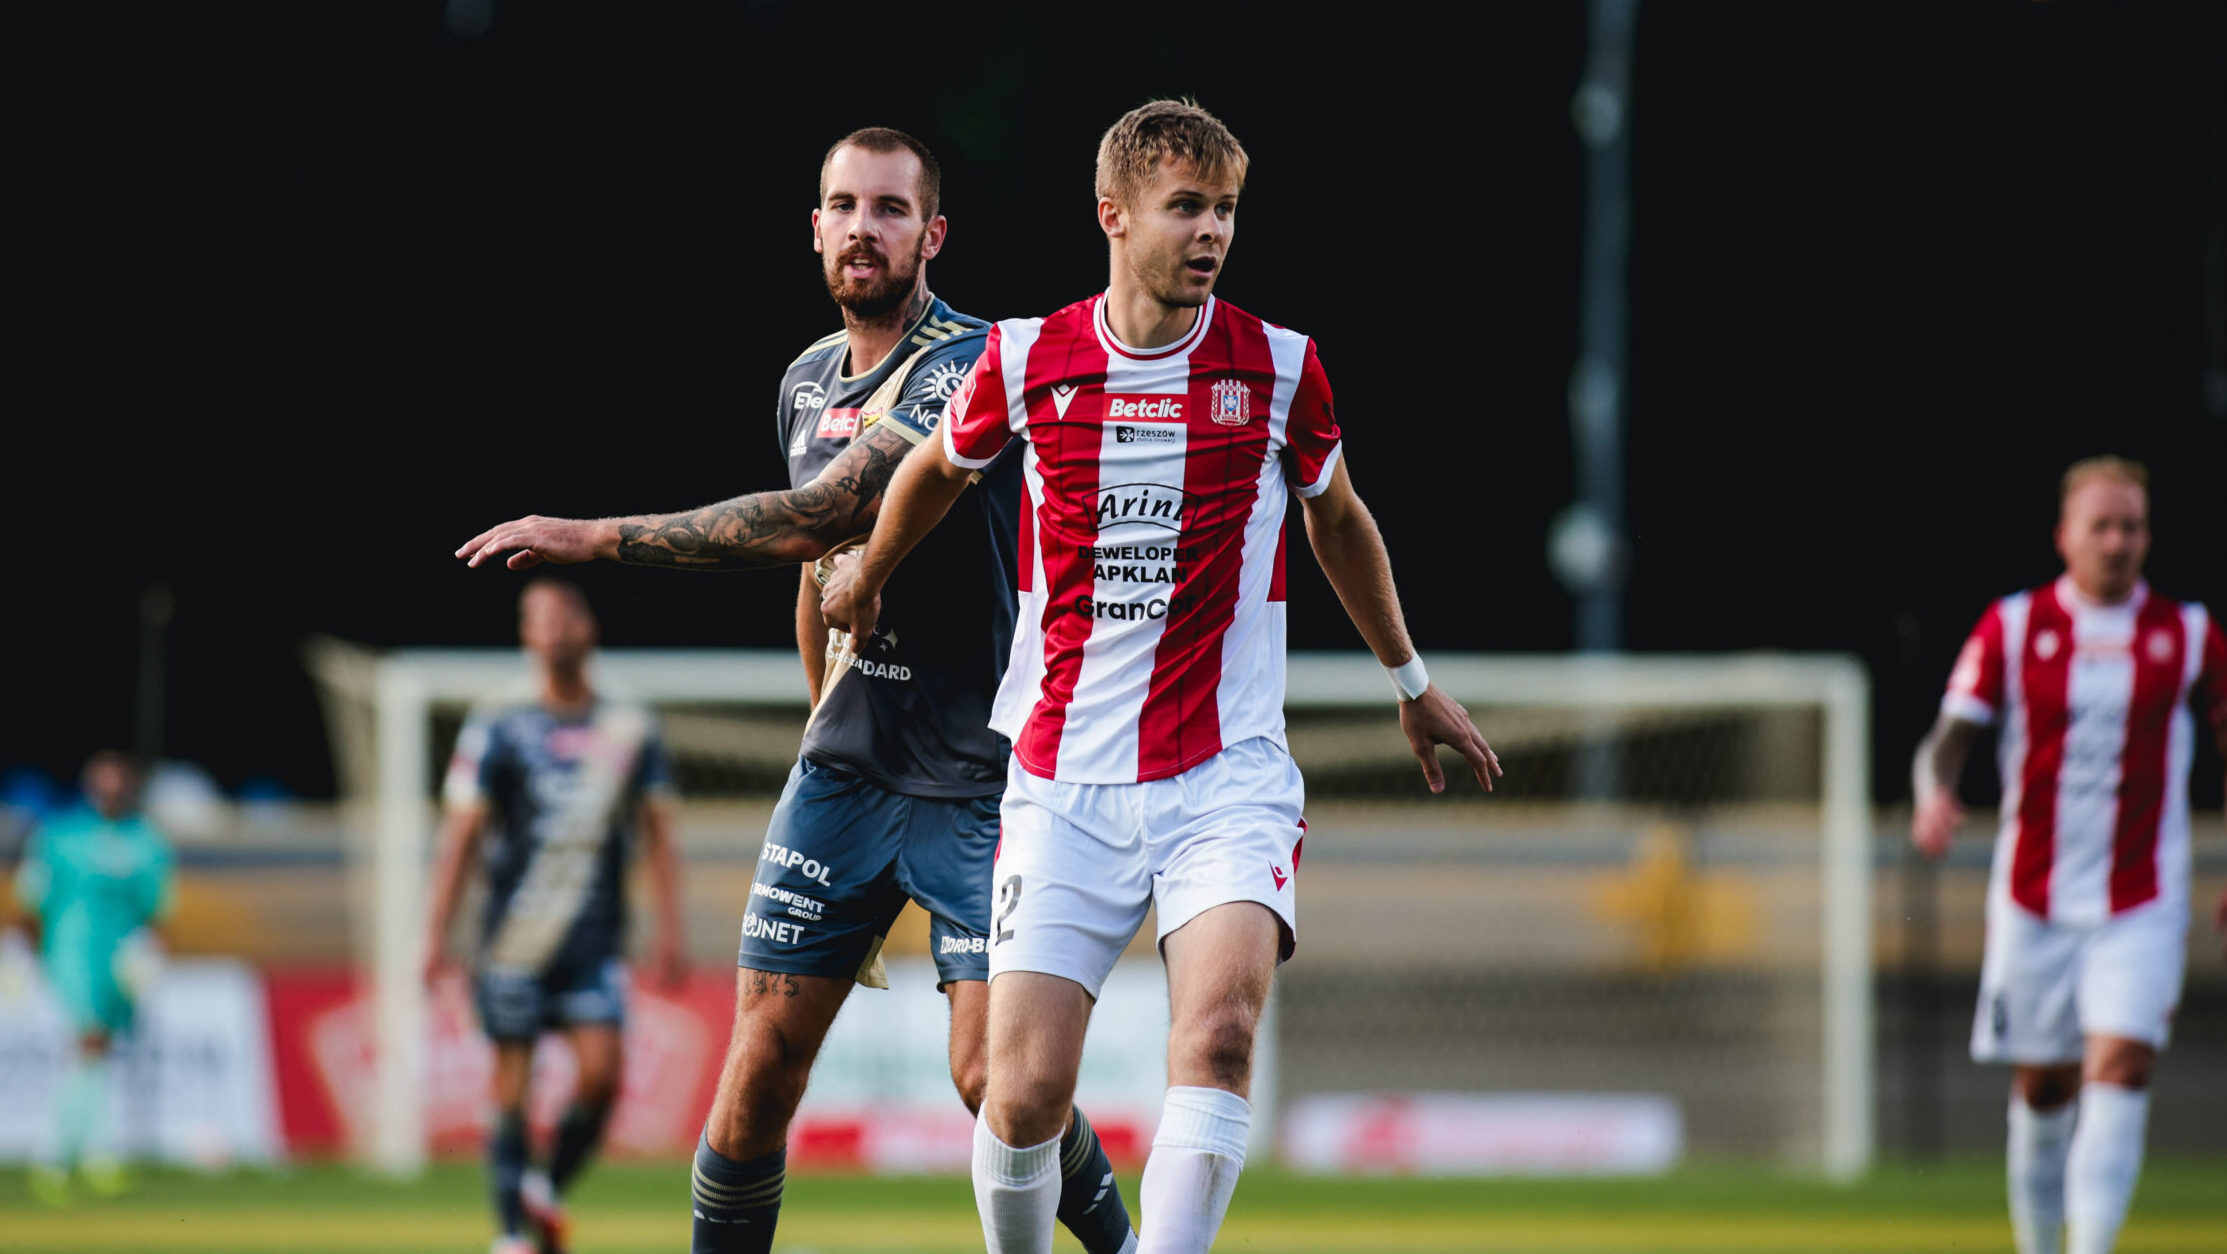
(1010, 893)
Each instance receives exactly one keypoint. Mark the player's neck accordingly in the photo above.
(2101, 596)
(871, 339)
(565, 691)
(1141, 320)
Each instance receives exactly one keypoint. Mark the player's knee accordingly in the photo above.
(2047, 1088)
(1218, 1046)
(2125, 1064)
(1028, 1109)
(971, 1076)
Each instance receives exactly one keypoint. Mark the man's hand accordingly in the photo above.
(532, 540)
(437, 964)
(849, 605)
(1436, 719)
(1934, 826)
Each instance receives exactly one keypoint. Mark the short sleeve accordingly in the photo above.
(1975, 692)
(466, 783)
(1311, 437)
(929, 385)
(978, 422)
(2210, 691)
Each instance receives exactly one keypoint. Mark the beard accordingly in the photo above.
(871, 299)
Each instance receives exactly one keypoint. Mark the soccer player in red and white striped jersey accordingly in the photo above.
(1164, 433)
(2097, 685)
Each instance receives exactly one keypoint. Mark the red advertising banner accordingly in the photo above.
(321, 1053)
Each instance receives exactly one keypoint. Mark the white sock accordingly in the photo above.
(1196, 1156)
(1016, 1191)
(2105, 1161)
(2039, 1141)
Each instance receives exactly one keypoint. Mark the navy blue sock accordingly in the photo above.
(1089, 1199)
(735, 1204)
(578, 1133)
(506, 1166)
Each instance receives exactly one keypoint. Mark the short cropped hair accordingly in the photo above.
(565, 588)
(2106, 466)
(889, 139)
(1165, 130)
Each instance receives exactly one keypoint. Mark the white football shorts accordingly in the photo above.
(2044, 986)
(1078, 864)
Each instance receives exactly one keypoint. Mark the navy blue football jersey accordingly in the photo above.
(563, 793)
(912, 713)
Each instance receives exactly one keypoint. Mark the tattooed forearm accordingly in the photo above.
(772, 528)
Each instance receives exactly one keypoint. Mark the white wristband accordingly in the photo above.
(1409, 679)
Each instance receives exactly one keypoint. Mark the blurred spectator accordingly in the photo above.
(95, 879)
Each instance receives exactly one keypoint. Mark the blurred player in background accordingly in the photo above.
(895, 793)
(547, 794)
(2098, 686)
(1163, 433)
(97, 879)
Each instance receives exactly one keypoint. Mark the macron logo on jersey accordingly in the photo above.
(1170, 407)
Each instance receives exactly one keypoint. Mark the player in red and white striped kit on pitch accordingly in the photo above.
(1144, 695)
(2098, 686)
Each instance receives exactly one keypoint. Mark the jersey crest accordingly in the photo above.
(1229, 404)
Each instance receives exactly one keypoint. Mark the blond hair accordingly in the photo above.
(2106, 466)
(1165, 130)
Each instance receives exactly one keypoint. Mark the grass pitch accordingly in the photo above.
(625, 1208)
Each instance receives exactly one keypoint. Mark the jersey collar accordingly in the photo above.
(2071, 597)
(1112, 343)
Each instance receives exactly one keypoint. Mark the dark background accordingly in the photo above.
(304, 296)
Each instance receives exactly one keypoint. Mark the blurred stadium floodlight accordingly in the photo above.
(1587, 548)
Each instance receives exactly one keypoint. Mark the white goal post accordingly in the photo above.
(384, 755)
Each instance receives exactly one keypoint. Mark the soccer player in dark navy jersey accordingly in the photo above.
(548, 791)
(895, 793)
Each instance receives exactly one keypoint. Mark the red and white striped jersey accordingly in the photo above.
(2098, 706)
(1151, 628)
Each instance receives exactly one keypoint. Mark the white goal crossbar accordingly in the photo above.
(407, 686)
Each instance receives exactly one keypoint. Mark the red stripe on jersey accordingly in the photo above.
(977, 416)
(1311, 426)
(1979, 666)
(2211, 681)
(1276, 576)
(2045, 670)
(1180, 724)
(1027, 545)
(2160, 656)
(1067, 353)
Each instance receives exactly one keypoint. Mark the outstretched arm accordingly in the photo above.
(1351, 550)
(1939, 763)
(920, 494)
(749, 532)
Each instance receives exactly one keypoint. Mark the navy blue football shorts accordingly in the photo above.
(841, 858)
(520, 1005)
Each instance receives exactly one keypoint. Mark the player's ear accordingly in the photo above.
(1111, 219)
(816, 245)
(938, 227)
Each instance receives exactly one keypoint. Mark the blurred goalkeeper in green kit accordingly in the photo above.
(95, 879)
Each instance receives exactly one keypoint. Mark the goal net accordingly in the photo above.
(1665, 903)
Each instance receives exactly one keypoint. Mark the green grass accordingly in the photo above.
(626, 1207)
